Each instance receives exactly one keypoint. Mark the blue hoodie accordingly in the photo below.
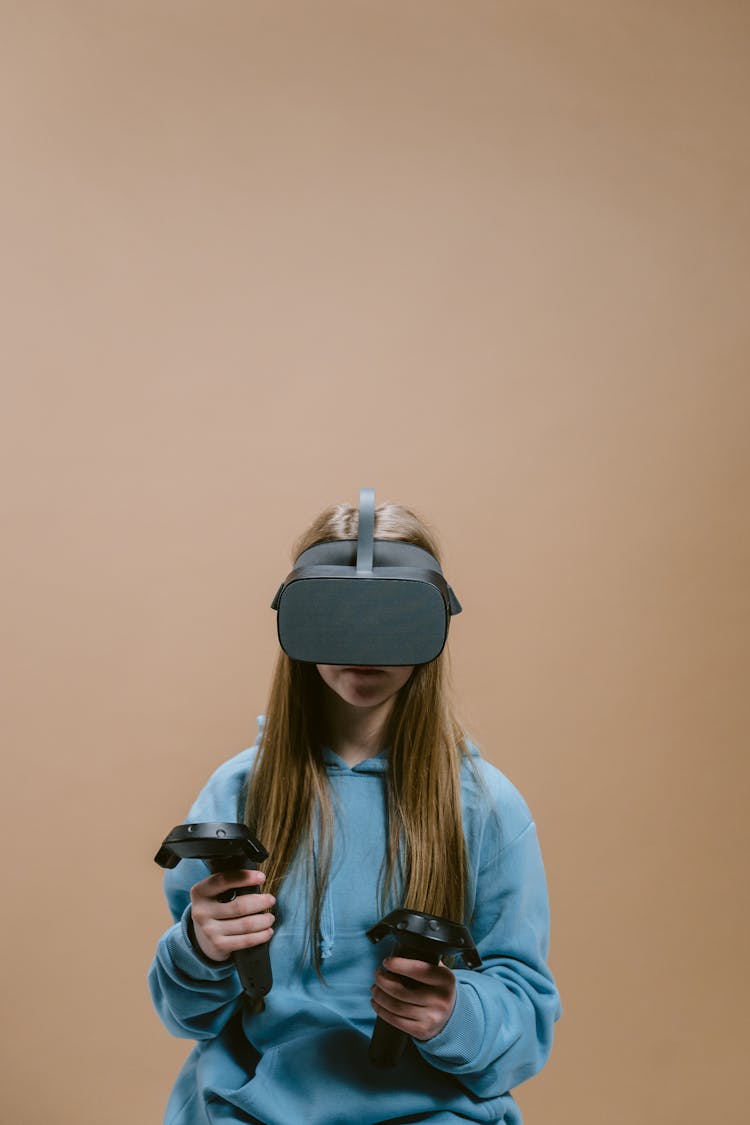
(303, 1061)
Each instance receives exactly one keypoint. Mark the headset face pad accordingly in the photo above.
(337, 620)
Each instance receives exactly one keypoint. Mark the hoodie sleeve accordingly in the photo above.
(500, 1031)
(193, 996)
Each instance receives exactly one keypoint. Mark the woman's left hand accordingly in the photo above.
(414, 996)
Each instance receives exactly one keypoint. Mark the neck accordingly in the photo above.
(356, 733)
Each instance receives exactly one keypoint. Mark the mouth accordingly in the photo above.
(365, 669)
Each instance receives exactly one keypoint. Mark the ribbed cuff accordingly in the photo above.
(460, 1041)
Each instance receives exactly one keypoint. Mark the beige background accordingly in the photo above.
(489, 258)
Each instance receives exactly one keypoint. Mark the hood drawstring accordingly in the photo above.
(327, 933)
(327, 928)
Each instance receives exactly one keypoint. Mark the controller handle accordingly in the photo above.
(423, 937)
(225, 847)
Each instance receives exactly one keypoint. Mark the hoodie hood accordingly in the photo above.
(376, 764)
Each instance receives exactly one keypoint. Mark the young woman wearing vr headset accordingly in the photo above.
(368, 796)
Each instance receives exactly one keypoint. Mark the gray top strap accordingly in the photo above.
(366, 534)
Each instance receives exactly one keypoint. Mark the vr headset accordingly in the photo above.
(364, 601)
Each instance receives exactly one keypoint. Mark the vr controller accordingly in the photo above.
(225, 847)
(423, 937)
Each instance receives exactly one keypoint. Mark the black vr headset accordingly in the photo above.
(364, 601)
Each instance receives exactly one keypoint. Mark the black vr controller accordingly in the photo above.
(423, 937)
(225, 847)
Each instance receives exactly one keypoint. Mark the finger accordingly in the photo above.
(223, 881)
(252, 924)
(405, 993)
(420, 971)
(394, 1005)
(230, 880)
(236, 942)
(241, 907)
(400, 1018)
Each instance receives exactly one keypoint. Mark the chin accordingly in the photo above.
(363, 685)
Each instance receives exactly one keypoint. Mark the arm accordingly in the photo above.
(500, 1031)
(193, 995)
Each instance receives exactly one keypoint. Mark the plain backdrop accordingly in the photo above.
(490, 259)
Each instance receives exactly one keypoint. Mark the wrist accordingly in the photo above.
(197, 949)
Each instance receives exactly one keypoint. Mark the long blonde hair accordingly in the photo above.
(288, 800)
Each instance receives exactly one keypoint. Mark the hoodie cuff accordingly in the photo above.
(460, 1041)
(189, 959)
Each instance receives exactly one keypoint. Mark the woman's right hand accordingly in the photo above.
(221, 928)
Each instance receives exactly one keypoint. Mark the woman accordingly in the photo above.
(368, 796)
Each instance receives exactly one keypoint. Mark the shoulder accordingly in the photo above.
(220, 798)
(491, 800)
